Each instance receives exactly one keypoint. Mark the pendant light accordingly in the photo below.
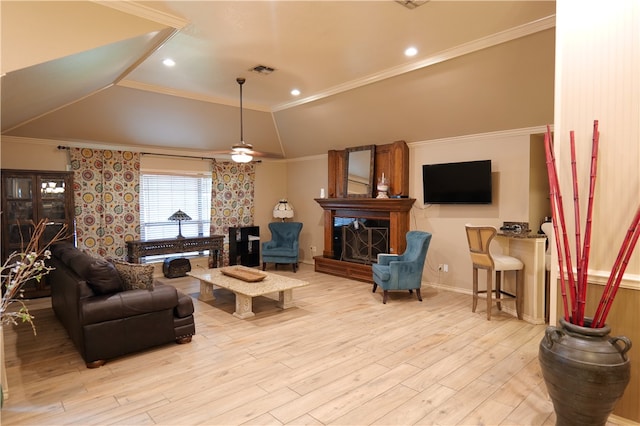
(241, 152)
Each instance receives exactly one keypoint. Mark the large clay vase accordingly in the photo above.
(585, 370)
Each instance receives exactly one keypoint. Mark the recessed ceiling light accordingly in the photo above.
(168, 62)
(295, 92)
(411, 51)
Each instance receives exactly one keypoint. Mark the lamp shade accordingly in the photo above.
(179, 215)
(283, 210)
(241, 157)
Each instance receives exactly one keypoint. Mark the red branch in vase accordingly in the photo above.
(574, 297)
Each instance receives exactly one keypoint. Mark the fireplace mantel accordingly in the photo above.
(395, 210)
(392, 161)
(367, 204)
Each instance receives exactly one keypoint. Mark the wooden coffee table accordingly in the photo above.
(246, 291)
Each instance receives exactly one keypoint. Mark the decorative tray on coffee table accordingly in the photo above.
(243, 274)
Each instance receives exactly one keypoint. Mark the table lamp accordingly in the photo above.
(179, 216)
(283, 210)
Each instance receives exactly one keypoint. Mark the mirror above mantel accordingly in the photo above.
(392, 160)
(358, 175)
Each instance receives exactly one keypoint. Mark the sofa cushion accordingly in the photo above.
(79, 262)
(75, 259)
(135, 275)
(64, 251)
(127, 304)
(103, 278)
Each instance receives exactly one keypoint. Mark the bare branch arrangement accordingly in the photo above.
(20, 268)
(574, 292)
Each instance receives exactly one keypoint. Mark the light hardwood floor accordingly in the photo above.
(339, 357)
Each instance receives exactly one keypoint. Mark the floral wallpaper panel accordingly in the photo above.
(106, 194)
(232, 203)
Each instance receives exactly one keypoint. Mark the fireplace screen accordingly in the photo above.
(362, 244)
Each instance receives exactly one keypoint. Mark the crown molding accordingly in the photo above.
(146, 12)
(147, 150)
(307, 158)
(524, 131)
(102, 145)
(132, 84)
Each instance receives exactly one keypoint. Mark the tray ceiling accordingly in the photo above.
(92, 71)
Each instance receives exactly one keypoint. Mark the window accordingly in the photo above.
(163, 195)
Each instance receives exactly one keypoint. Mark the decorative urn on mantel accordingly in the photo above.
(383, 187)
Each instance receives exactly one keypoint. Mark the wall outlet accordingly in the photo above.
(445, 267)
(313, 249)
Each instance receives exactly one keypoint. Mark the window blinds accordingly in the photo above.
(162, 195)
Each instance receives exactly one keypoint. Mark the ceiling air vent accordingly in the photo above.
(262, 69)
(411, 4)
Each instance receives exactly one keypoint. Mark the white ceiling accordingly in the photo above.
(92, 71)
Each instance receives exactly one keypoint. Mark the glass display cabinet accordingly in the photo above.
(29, 196)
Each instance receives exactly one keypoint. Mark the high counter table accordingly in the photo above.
(530, 249)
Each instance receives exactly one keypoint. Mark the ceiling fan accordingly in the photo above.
(243, 152)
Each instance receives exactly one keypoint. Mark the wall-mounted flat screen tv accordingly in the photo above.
(466, 182)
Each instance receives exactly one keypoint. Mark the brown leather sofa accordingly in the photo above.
(103, 319)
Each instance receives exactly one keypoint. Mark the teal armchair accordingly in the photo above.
(402, 272)
(284, 245)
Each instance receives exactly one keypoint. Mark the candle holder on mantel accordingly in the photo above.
(383, 187)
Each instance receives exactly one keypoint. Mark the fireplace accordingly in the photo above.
(388, 220)
(360, 240)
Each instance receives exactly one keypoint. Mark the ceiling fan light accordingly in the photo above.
(241, 152)
(242, 147)
(241, 157)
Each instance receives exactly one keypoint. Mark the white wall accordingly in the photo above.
(32, 154)
(306, 177)
(509, 153)
(271, 186)
(598, 78)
